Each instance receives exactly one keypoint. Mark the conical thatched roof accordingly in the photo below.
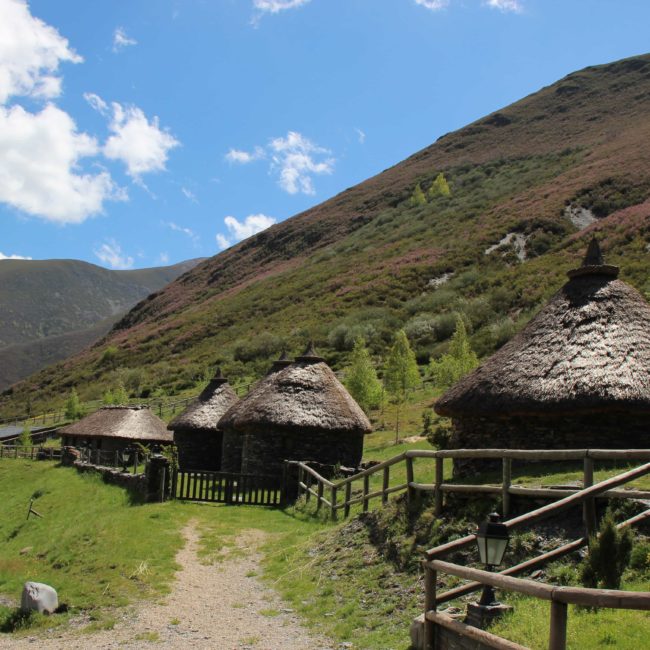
(130, 422)
(587, 351)
(204, 412)
(304, 395)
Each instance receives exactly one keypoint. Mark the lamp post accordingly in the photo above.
(492, 539)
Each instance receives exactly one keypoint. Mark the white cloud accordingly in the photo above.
(361, 135)
(13, 257)
(30, 53)
(39, 166)
(186, 231)
(121, 40)
(110, 252)
(96, 102)
(296, 159)
(434, 5)
(505, 5)
(275, 6)
(163, 258)
(245, 157)
(139, 143)
(239, 230)
(188, 194)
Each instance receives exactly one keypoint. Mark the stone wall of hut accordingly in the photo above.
(231, 455)
(199, 449)
(596, 431)
(264, 452)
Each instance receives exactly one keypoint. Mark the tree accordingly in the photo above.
(25, 439)
(439, 187)
(108, 398)
(73, 408)
(609, 554)
(418, 198)
(361, 378)
(401, 373)
(460, 359)
(120, 396)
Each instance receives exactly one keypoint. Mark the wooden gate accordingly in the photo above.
(223, 487)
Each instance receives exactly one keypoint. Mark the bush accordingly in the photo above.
(440, 434)
(609, 554)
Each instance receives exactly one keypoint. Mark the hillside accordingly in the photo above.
(529, 185)
(54, 308)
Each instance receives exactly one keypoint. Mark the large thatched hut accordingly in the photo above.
(299, 412)
(113, 428)
(577, 376)
(233, 440)
(196, 434)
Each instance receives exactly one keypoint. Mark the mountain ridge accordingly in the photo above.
(367, 260)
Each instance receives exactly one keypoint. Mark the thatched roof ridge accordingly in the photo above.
(306, 395)
(206, 410)
(586, 351)
(130, 422)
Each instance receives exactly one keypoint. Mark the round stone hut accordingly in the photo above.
(233, 440)
(300, 412)
(196, 435)
(113, 428)
(577, 376)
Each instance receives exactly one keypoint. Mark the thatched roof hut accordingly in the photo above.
(299, 412)
(196, 434)
(112, 428)
(577, 375)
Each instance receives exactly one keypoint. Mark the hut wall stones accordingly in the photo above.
(299, 412)
(577, 376)
(196, 434)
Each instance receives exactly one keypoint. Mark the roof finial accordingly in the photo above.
(282, 362)
(594, 263)
(218, 376)
(594, 256)
(310, 355)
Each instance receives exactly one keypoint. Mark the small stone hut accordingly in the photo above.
(300, 412)
(577, 376)
(113, 428)
(196, 435)
(233, 440)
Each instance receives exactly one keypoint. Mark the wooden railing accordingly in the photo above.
(559, 596)
(338, 495)
(32, 453)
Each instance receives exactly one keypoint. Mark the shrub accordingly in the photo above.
(460, 360)
(609, 554)
(440, 434)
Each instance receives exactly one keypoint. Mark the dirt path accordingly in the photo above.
(221, 606)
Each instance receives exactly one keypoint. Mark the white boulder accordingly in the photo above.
(39, 597)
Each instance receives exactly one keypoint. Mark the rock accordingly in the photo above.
(39, 597)
(24, 551)
(417, 632)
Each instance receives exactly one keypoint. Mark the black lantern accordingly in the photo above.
(492, 539)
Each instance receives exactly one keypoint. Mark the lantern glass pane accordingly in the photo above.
(482, 548)
(496, 549)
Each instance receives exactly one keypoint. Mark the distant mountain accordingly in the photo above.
(530, 185)
(51, 309)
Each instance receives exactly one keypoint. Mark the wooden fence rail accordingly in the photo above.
(311, 483)
(31, 453)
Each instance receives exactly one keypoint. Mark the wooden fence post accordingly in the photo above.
(384, 487)
(333, 500)
(430, 580)
(348, 496)
(589, 506)
(319, 502)
(410, 492)
(505, 487)
(438, 482)
(557, 637)
(307, 476)
(366, 490)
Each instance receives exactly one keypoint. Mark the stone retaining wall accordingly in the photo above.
(136, 484)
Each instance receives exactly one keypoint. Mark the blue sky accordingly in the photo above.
(138, 133)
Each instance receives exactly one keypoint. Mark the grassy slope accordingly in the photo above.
(362, 261)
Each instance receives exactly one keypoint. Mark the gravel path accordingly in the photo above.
(222, 606)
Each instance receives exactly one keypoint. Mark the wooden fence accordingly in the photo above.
(559, 596)
(225, 487)
(32, 453)
(338, 495)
